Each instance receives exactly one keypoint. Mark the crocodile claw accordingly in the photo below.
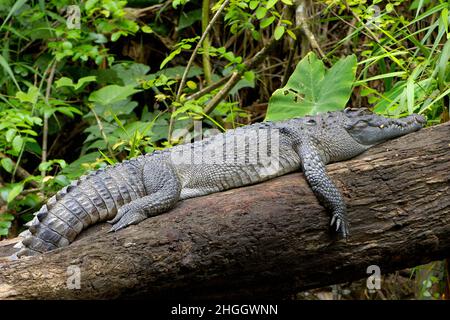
(126, 216)
(338, 224)
(341, 225)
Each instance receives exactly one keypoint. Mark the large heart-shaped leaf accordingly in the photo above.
(313, 89)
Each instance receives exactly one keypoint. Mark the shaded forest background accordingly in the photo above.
(88, 83)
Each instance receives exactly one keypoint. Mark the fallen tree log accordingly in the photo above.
(266, 240)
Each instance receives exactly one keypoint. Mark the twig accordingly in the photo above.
(190, 62)
(199, 43)
(209, 88)
(206, 43)
(234, 78)
(301, 21)
(45, 127)
(133, 13)
(371, 34)
(102, 132)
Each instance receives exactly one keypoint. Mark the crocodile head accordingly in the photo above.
(370, 129)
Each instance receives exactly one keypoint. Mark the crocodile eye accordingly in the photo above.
(361, 124)
(364, 112)
(311, 122)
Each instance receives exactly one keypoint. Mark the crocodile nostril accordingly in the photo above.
(420, 118)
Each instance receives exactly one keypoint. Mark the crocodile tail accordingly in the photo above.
(93, 198)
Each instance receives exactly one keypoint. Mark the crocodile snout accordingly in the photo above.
(419, 118)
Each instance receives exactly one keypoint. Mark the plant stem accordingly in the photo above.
(194, 53)
(206, 43)
(45, 126)
(102, 132)
(233, 79)
(302, 21)
(209, 88)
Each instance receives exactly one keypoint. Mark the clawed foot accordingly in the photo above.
(341, 225)
(127, 215)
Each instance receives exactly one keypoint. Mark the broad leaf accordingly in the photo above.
(313, 89)
(7, 164)
(112, 94)
(189, 18)
(67, 82)
(31, 96)
(14, 192)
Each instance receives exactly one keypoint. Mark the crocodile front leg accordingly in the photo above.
(323, 187)
(163, 192)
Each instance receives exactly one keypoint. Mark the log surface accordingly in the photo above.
(266, 240)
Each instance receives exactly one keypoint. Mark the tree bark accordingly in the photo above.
(267, 240)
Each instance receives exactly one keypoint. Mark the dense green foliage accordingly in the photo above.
(87, 83)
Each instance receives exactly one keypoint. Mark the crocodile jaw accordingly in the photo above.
(373, 129)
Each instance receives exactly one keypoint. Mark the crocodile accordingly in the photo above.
(133, 190)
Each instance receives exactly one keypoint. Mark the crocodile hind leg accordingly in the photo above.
(323, 187)
(163, 191)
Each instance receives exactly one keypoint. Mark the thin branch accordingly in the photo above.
(301, 20)
(133, 13)
(45, 127)
(209, 88)
(199, 43)
(102, 132)
(234, 78)
(206, 43)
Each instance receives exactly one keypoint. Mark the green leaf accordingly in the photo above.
(116, 35)
(271, 3)
(131, 74)
(4, 227)
(62, 180)
(31, 96)
(170, 57)
(266, 22)
(287, 2)
(7, 164)
(64, 82)
(249, 76)
(291, 34)
(79, 166)
(68, 111)
(17, 5)
(147, 29)
(10, 134)
(14, 192)
(279, 31)
(260, 13)
(112, 94)
(6, 217)
(443, 65)
(90, 4)
(410, 94)
(253, 4)
(189, 18)
(17, 144)
(67, 82)
(8, 70)
(312, 89)
(191, 85)
(82, 81)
